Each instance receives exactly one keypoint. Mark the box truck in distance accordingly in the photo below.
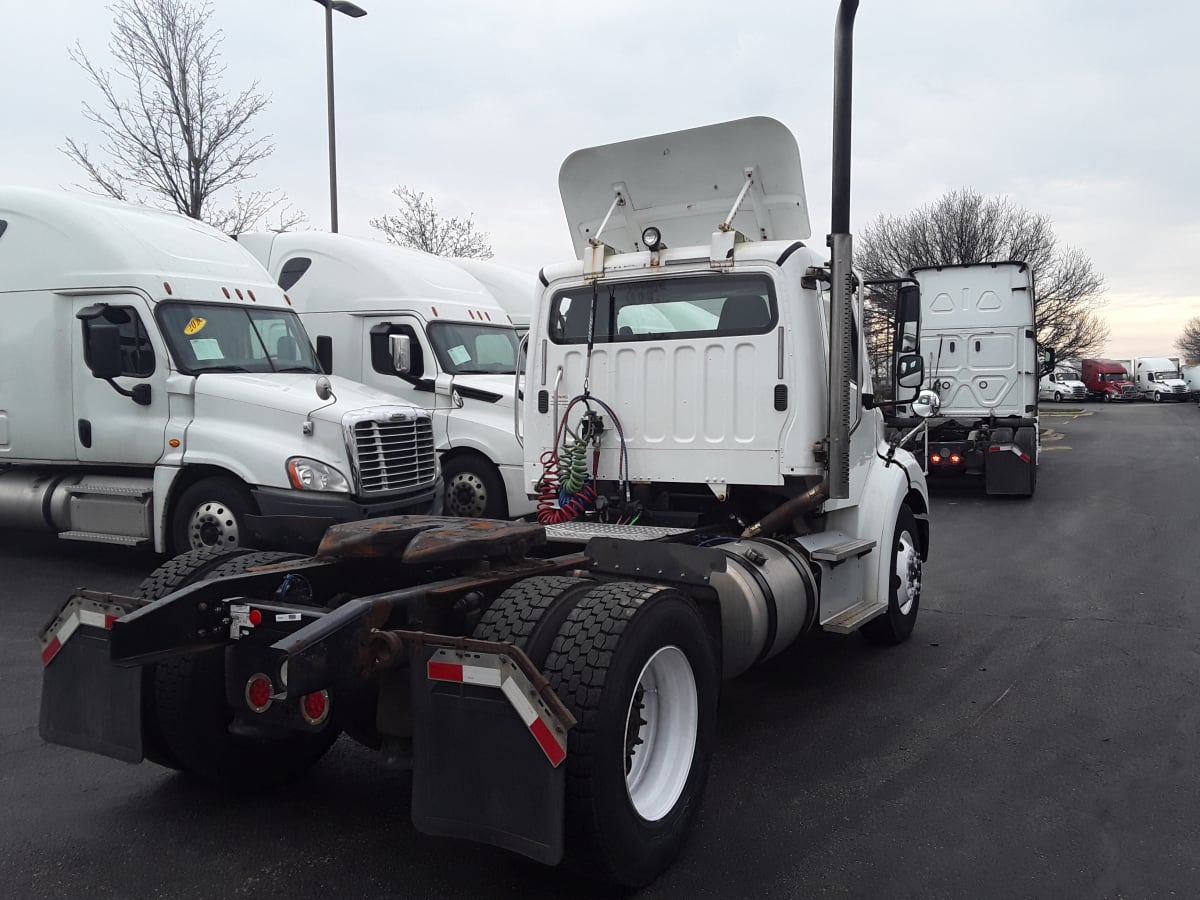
(354, 295)
(157, 388)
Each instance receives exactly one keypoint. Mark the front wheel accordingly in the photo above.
(211, 514)
(474, 488)
(1157, 397)
(1058, 397)
(904, 585)
(636, 666)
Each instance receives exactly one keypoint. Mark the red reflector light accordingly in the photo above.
(994, 449)
(1024, 457)
(936, 458)
(315, 707)
(255, 617)
(258, 692)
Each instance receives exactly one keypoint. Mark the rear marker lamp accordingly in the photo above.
(314, 707)
(936, 458)
(258, 692)
(955, 458)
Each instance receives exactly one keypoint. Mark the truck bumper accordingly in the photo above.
(297, 520)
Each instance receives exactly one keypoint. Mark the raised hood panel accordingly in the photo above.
(293, 393)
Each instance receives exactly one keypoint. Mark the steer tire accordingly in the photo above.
(530, 613)
(193, 715)
(172, 575)
(474, 488)
(629, 650)
(896, 625)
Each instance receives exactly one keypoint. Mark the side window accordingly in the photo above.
(137, 353)
(292, 270)
(381, 358)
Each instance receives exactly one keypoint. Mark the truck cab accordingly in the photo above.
(157, 388)
(1062, 385)
(1158, 379)
(355, 294)
(1107, 380)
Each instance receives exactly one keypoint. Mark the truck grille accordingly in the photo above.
(1128, 391)
(1080, 393)
(392, 454)
(1179, 389)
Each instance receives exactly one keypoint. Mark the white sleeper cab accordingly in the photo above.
(354, 295)
(157, 388)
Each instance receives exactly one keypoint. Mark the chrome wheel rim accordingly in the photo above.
(466, 495)
(213, 524)
(908, 570)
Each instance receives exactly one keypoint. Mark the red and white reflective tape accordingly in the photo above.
(494, 670)
(68, 625)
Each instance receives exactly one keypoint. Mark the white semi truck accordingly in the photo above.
(715, 481)
(1157, 378)
(354, 295)
(982, 359)
(157, 389)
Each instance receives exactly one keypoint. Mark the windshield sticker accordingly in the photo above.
(459, 355)
(195, 325)
(206, 348)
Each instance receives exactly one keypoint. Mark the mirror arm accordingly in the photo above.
(140, 394)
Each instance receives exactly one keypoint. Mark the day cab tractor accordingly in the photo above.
(700, 429)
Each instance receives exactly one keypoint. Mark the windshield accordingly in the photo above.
(1114, 376)
(465, 349)
(206, 337)
(665, 308)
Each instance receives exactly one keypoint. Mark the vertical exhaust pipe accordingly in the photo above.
(842, 258)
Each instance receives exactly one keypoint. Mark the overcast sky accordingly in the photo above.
(1085, 111)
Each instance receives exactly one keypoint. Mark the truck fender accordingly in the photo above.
(874, 518)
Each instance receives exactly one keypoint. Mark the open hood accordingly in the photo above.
(684, 183)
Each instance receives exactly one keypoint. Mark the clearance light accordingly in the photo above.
(288, 299)
(314, 707)
(255, 617)
(238, 291)
(225, 291)
(258, 692)
(250, 293)
(167, 288)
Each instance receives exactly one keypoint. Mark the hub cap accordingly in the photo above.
(466, 495)
(660, 733)
(213, 524)
(908, 570)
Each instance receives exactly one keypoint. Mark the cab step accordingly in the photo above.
(850, 620)
(123, 540)
(851, 549)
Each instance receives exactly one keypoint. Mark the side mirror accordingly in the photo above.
(104, 349)
(910, 369)
(400, 348)
(927, 404)
(1047, 354)
(325, 353)
(908, 319)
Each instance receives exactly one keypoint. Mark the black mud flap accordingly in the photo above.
(1009, 469)
(481, 772)
(87, 702)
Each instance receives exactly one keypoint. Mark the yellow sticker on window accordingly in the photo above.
(195, 325)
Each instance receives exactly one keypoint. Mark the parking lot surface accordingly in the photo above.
(1037, 737)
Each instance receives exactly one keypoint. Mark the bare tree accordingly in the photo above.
(419, 225)
(965, 227)
(1188, 344)
(169, 129)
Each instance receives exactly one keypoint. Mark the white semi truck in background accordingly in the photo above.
(981, 357)
(714, 478)
(1157, 378)
(1062, 385)
(157, 389)
(355, 295)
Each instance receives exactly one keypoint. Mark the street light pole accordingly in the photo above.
(355, 12)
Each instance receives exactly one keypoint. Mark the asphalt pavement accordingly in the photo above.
(1037, 737)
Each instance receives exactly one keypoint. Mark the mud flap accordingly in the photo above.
(90, 704)
(1009, 469)
(479, 770)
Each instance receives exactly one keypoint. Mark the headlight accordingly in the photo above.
(309, 475)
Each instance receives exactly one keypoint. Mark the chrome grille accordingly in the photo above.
(393, 454)
(1180, 389)
(1080, 393)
